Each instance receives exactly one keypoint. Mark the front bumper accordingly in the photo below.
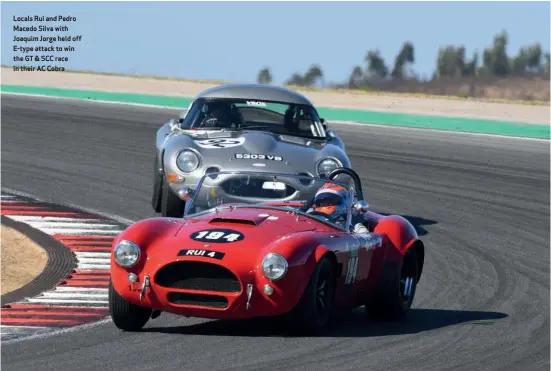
(198, 295)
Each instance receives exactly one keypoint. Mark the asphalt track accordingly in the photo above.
(481, 204)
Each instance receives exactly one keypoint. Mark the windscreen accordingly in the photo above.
(280, 190)
(239, 114)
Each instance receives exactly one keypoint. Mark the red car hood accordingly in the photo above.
(259, 228)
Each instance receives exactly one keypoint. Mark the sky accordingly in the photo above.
(232, 41)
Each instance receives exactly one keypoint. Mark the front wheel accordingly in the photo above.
(396, 289)
(314, 309)
(125, 315)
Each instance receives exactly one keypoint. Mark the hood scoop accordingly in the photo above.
(234, 221)
(254, 221)
(243, 217)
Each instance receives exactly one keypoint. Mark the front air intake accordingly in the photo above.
(211, 301)
(193, 275)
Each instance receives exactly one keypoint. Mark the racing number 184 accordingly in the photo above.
(215, 235)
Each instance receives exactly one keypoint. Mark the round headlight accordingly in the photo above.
(127, 253)
(187, 161)
(326, 166)
(274, 266)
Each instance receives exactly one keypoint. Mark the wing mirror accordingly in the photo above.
(330, 134)
(186, 193)
(361, 206)
(173, 124)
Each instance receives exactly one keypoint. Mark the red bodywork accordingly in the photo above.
(301, 240)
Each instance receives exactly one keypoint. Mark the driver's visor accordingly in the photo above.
(327, 198)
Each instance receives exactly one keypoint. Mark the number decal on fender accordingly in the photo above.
(217, 236)
(352, 267)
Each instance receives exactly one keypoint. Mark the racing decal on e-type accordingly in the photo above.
(249, 156)
(217, 236)
(254, 103)
(220, 142)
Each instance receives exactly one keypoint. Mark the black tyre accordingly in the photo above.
(315, 308)
(171, 205)
(396, 289)
(125, 315)
(157, 187)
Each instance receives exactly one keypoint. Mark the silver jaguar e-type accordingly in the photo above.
(240, 127)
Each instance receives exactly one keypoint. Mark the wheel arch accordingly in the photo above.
(419, 248)
(322, 252)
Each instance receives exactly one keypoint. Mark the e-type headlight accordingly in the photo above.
(127, 253)
(274, 266)
(326, 166)
(187, 161)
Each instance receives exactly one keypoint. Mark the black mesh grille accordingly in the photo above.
(197, 276)
(246, 186)
(212, 301)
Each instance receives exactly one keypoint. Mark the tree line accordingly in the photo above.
(451, 62)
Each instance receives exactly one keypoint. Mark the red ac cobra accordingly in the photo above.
(249, 245)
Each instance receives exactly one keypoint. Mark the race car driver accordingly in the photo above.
(332, 201)
(220, 115)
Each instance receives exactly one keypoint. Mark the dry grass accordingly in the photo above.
(408, 103)
(22, 260)
(491, 92)
(368, 92)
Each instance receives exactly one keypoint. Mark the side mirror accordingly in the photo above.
(330, 134)
(361, 206)
(186, 193)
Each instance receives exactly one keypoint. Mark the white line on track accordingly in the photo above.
(58, 331)
(451, 132)
(330, 121)
(86, 254)
(61, 225)
(80, 289)
(92, 267)
(80, 231)
(74, 295)
(22, 332)
(59, 301)
(36, 218)
(94, 260)
(117, 218)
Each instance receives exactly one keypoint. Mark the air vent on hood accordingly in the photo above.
(233, 221)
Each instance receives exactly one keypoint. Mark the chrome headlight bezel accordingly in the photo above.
(280, 259)
(336, 162)
(184, 152)
(130, 247)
